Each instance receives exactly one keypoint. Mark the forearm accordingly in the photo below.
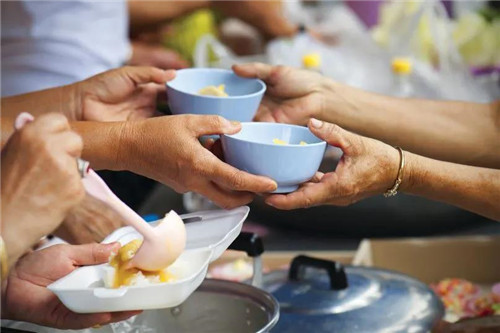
(60, 99)
(148, 14)
(101, 143)
(472, 188)
(460, 132)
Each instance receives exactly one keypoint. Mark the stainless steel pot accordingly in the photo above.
(217, 306)
(323, 296)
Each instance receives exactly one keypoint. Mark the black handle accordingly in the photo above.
(248, 242)
(335, 270)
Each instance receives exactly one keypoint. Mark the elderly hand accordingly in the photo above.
(293, 96)
(40, 181)
(126, 93)
(26, 298)
(368, 167)
(90, 221)
(168, 150)
(266, 16)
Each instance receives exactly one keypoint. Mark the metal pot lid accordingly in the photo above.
(320, 287)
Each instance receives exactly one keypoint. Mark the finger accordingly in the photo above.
(141, 74)
(78, 321)
(119, 316)
(334, 135)
(317, 177)
(217, 150)
(307, 196)
(234, 179)
(254, 70)
(71, 142)
(223, 198)
(50, 122)
(208, 125)
(92, 254)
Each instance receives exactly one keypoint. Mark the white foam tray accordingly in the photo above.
(83, 290)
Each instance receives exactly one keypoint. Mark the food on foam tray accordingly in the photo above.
(218, 91)
(124, 275)
(284, 143)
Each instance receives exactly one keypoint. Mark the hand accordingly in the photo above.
(40, 181)
(293, 96)
(90, 221)
(266, 16)
(26, 298)
(145, 54)
(126, 93)
(168, 150)
(368, 167)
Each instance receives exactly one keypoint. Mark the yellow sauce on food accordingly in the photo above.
(217, 91)
(125, 276)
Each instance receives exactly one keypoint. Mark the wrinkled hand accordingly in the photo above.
(90, 221)
(26, 298)
(293, 96)
(126, 93)
(266, 16)
(168, 150)
(145, 54)
(40, 180)
(368, 167)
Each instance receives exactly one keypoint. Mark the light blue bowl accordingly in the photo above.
(241, 105)
(253, 150)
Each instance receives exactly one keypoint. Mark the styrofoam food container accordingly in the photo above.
(209, 234)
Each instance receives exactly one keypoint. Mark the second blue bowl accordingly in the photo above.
(241, 104)
(253, 150)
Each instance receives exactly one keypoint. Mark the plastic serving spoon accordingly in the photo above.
(161, 246)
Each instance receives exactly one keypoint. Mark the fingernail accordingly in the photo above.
(316, 123)
(235, 123)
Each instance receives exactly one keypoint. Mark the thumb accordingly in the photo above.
(92, 254)
(206, 125)
(254, 70)
(334, 135)
(142, 74)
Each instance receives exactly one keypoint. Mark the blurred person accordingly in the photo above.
(459, 132)
(53, 43)
(166, 149)
(40, 181)
(26, 298)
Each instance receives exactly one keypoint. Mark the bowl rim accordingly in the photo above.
(287, 146)
(261, 91)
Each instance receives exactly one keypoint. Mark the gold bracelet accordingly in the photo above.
(3, 260)
(394, 189)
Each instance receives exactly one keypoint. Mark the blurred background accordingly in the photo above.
(431, 49)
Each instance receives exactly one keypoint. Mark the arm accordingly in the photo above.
(369, 167)
(60, 99)
(167, 149)
(266, 16)
(460, 132)
(149, 14)
(472, 188)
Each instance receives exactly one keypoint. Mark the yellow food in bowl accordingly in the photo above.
(282, 142)
(217, 91)
(126, 276)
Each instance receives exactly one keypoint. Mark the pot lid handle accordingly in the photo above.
(248, 242)
(335, 270)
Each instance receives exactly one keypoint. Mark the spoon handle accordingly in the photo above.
(96, 187)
